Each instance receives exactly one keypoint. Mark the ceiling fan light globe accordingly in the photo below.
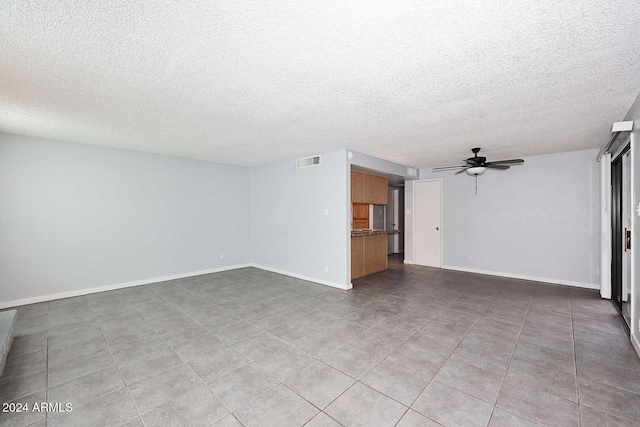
(475, 171)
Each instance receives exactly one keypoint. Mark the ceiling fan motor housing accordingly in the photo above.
(476, 160)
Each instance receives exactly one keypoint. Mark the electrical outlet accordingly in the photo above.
(221, 256)
(326, 268)
(469, 258)
(597, 271)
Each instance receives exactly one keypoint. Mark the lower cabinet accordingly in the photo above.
(368, 255)
(357, 257)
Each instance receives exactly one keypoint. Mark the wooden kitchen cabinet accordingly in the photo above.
(357, 187)
(367, 188)
(368, 255)
(357, 257)
(360, 216)
(375, 254)
(376, 189)
(361, 211)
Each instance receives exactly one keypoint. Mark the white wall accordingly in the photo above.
(634, 114)
(75, 216)
(290, 232)
(538, 220)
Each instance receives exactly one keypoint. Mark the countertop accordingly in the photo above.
(362, 233)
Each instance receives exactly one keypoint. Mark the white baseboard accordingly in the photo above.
(524, 277)
(301, 277)
(87, 291)
(635, 344)
(97, 289)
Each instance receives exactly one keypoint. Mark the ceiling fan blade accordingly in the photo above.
(460, 171)
(444, 168)
(506, 161)
(494, 166)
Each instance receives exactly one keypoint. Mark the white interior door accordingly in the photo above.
(427, 217)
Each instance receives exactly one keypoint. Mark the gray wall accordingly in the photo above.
(75, 216)
(408, 221)
(540, 219)
(634, 114)
(380, 165)
(289, 230)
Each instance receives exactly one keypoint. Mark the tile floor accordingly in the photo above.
(410, 346)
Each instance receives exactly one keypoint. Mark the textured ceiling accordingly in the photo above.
(251, 82)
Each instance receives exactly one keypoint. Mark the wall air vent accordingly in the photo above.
(307, 162)
(412, 171)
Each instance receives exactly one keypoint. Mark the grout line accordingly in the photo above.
(356, 381)
(594, 380)
(456, 347)
(203, 383)
(135, 405)
(346, 342)
(575, 359)
(512, 353)
(183, 361)
(103, 369)
(403, 342)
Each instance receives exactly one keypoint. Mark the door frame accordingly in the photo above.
(413, 216)
(395, 212)
(616, 228)
(393, 220)
(617, 193)
(627, 221)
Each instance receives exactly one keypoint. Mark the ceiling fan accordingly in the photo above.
(477, 165)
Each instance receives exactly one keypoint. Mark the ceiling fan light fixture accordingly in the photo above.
(477, 170)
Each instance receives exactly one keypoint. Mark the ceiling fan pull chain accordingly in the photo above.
(476, 185)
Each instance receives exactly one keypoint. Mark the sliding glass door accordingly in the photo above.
(621, 233)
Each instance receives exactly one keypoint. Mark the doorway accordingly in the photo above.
(621, 233)
(395, 221)
(427, 217)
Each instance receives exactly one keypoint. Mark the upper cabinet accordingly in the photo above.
(357, 187)
(367, 188)
(376, 189)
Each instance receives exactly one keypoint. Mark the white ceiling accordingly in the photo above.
(251, 82)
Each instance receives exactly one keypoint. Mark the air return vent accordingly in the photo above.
(308, 162)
